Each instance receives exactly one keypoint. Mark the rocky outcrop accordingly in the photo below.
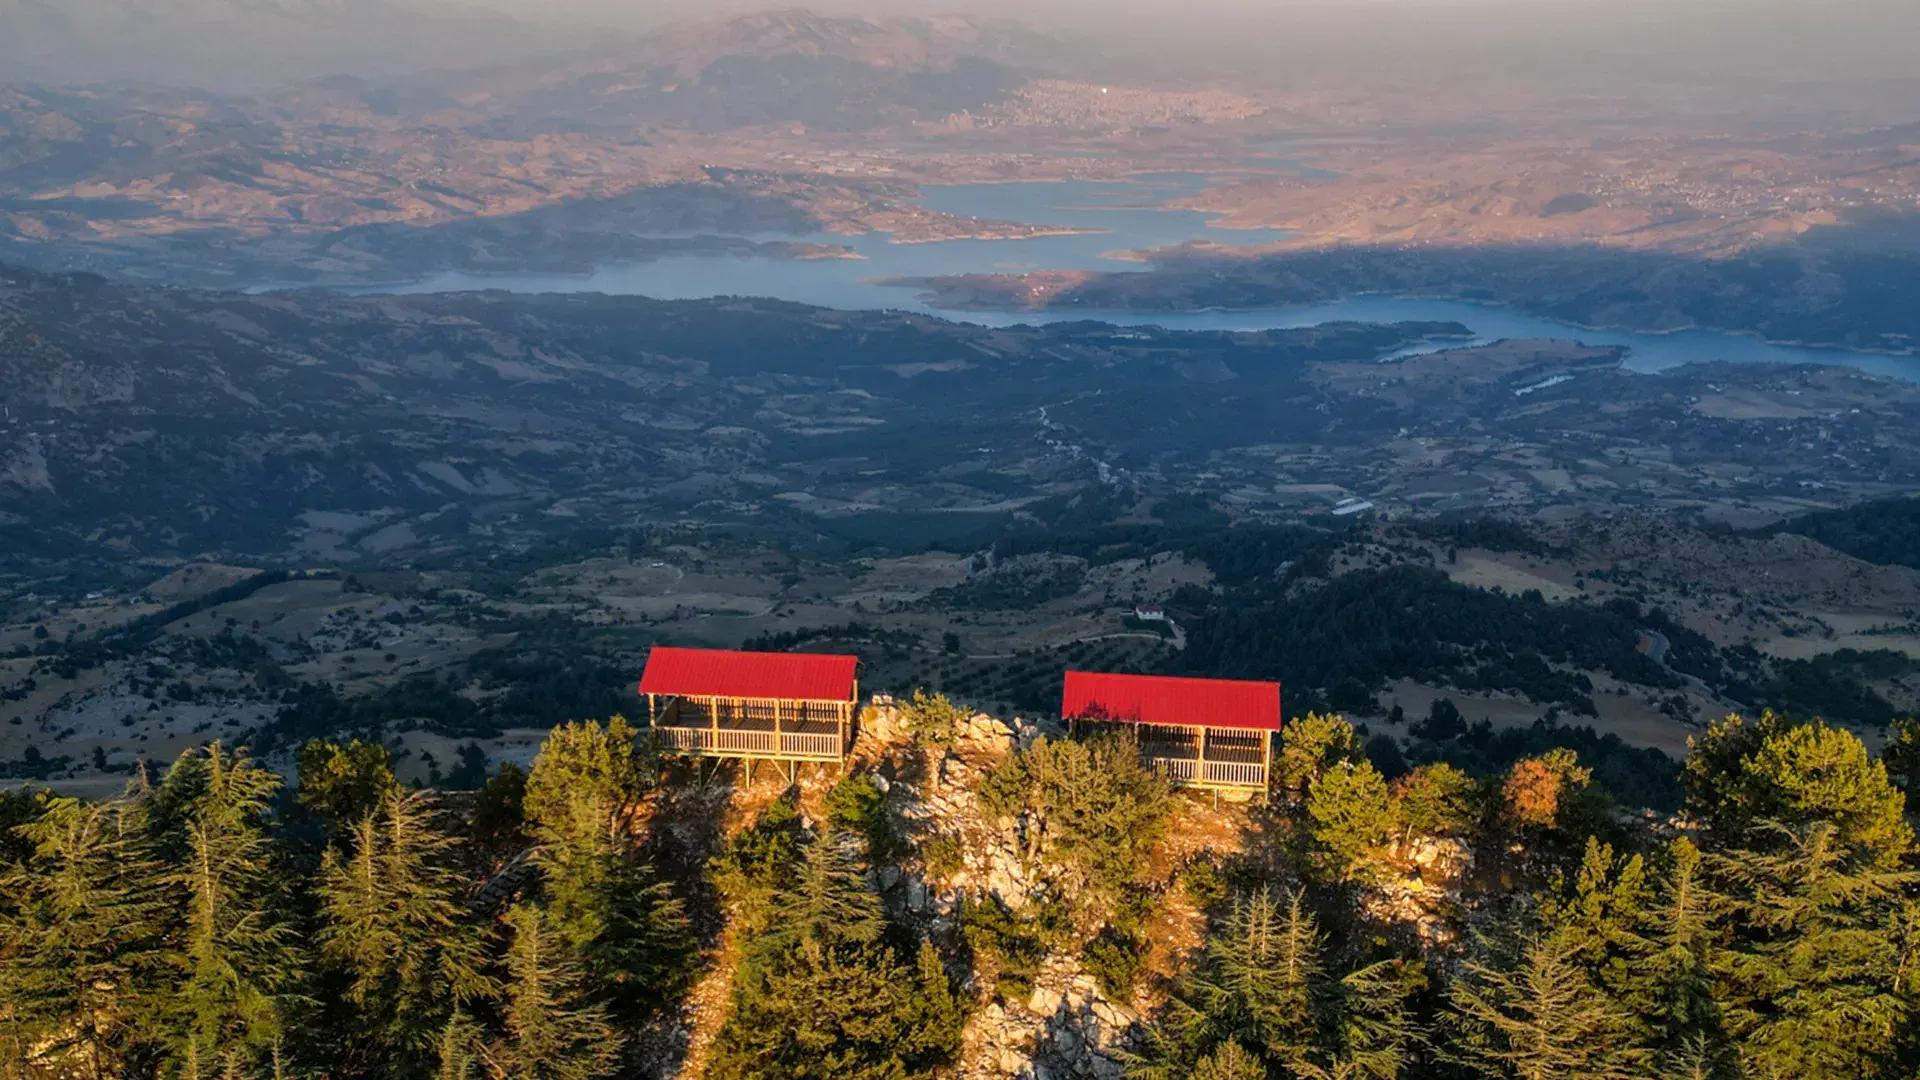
(1425, 894)
(1065, 1028)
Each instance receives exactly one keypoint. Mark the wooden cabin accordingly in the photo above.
(1205, 733)
(752, 706)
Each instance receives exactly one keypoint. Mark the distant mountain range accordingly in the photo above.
(787, 67)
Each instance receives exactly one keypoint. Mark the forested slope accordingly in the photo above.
(969, 898)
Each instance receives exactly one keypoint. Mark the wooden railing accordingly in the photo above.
(1186, 770)
(736, 742)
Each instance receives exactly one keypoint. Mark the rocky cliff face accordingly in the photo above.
(1066, 1026)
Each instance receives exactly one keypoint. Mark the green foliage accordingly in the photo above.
(587, 779)
(1309, 746)
(235, 954)
(942, 856)
(857, 805)
(1351, 820)
(1088, 808)
(1533, 1015)
(757, 863)
(823, 996)
(1887, 531)
(1371, 626)
(551, 1031)
(934, 720)
(1263, 990)
(1230, 1061)
(1205, 886)
(82, 959)
(603, 902)
(1902, 756)
(1436, 800)
(1748, 776)
(393, 926)
(499, 810)
(1009, 946)
(341, 785)
(1815, 980)
(1116, 960)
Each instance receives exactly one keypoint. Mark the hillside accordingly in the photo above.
(965, 897)
(1884, 531)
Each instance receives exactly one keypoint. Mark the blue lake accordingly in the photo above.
(1128, 218)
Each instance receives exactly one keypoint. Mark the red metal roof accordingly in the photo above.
(1172, 701)
(729, 673)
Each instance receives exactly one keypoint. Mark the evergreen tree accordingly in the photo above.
(341, 785)
(1599, 918)
(457, 1049)
(1351, 820)
(1748, 776)
(1229, 1061)
(822, 997)
(1816, 981)
(1309, 746)
(1673, 989)
(588, 777)
(393, 925)
(552, 1032)
(603, 900)
(1533, 1015)
(1902, 755)
(1435, 800)
(1261, 988)
(1086, 810)
(81, 950)
(236, 963)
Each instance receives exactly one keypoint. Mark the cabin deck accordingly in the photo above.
(754, 728)
(1202, 757)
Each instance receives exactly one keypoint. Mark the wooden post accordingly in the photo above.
(1200, 767)
(1266, 765)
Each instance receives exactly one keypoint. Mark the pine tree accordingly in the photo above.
(1747, 777)
(1673, 987)
(1309, 747)
(1816, 980)
(1600, 918)
(552, 1032)
(1087, 811)
(603, 901)
(1261, 987)
(81, 952)
(588, 777)
(822, 997)
(1351, 820)
(1535, 1016)
(392, 924)
(1230, 1061)
(341, 785)
(457, 1049)
(1435, 800)
(235, 958)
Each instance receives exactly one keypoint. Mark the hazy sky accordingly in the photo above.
(1779, 42)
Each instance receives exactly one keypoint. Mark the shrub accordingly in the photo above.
(1012, 946)
(1089, 807)
(1116, 961)
(857, 805)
